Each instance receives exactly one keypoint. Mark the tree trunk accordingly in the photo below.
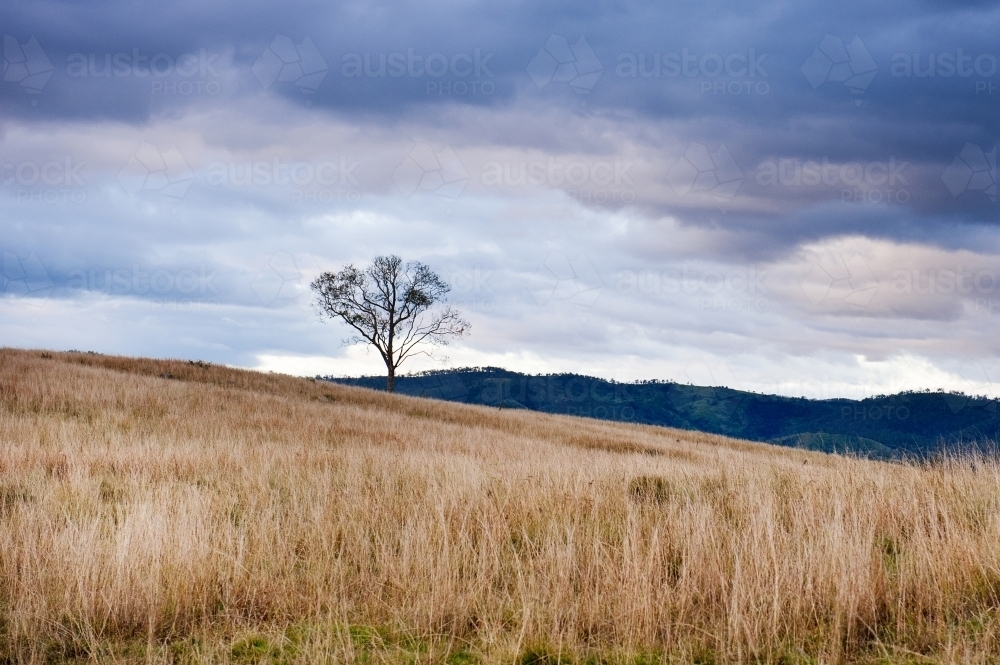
(390, 380)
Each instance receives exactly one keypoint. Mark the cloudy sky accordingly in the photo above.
(794, 198)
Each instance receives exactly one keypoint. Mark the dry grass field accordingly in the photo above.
(155, 511)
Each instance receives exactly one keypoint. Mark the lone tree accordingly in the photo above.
(388, 305)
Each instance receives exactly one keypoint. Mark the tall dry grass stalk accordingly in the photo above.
(163, 511)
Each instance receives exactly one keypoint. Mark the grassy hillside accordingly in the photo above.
(910, 424)
(155, 511)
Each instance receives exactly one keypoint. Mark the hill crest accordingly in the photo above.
(906, 424)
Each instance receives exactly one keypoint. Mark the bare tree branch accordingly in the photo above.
(388, 304)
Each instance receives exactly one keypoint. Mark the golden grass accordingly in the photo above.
(162, 511)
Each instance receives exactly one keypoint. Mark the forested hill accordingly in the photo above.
(909, 423)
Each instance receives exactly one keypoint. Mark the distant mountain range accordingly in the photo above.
(909, 424)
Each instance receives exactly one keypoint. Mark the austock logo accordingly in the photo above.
(835, 62)
(707, 383)
(558, 62)
(976, 379)
(151, 171)
(427, 169)
(973, 170)
(26, 64)
(559, 278)
(24, 278)
(283, 61)
(701, 170)
(839, 282)
(281, 281)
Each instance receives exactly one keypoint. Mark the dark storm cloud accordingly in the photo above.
(680, 52)
(817, 142)
(767, 80)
